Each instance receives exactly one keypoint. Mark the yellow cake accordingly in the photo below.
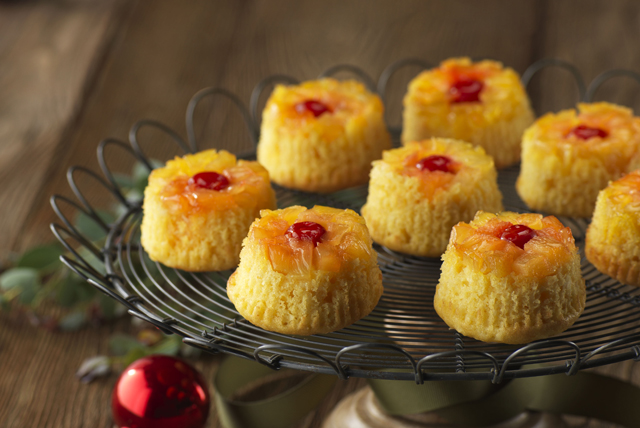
(568, 157)
(306, 271)
(417, 193)
(510, 278)
(321, 136)
(613, 237)
(479, 102)
(198, 208)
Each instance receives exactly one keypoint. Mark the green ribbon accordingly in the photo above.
(472, 403)
(280, 411)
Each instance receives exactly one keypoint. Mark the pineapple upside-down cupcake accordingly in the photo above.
(198, 208)
(510, 278)
(417, 193)
(568, 157)
(479, 102)
(321, 136)
(306, 271)
(613, 237)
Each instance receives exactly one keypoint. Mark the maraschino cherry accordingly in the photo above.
(435, 163)
(518, 234)
(317, 108)
(307, 231)
(160, 391)
(585, 132)
(210, 180)
(466, 91)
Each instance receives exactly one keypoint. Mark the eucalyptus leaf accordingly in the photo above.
(4, 303)
(92, 260)
(43, 258)
(94, 367)
(29, 292)
(121, 344)
(168, 346)
(140, 175)
(19, 277)
(66, 294)
(135, 354)
(90, 228)
(123, 181)
(73, 321)
(107, 306)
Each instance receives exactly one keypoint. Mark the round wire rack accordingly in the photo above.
(403, 338)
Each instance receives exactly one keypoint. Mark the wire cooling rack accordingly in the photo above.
(403, 338)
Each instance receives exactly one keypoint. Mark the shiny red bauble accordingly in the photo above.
(160, 391)
(307, 231)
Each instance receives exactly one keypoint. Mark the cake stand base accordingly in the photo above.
(361, 410)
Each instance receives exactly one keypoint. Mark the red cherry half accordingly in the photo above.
(210, 180)
(466, 91)
(518, 234)
(585, 132)
(315, 107)
(435, 163)
(307, 231)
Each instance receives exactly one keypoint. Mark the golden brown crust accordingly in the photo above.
(492, 291)
(613, 237)
(308, 300)
(328, 153)
(496, 123)
(404, 216)
(194, 231)
(562, 176)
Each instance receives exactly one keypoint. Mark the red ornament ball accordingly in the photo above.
(160, 392)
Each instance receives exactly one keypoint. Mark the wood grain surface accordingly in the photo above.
(75, 72)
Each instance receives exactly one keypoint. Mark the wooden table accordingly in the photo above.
(74, 72)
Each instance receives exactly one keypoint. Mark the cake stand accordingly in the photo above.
(402, 339)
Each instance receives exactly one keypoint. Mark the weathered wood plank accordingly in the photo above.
(47, 56)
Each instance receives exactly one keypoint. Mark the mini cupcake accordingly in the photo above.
(568, 157)
(198, 208)
(417, 193)
(482, 103)
(306, 271)
(510, 278)
(613, 238)
(321, 136)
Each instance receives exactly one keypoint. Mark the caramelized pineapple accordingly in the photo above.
(613, 237)
(306, 271)
(418, 192)
(482, 103)
(510, 278)
(198, 209)
(568, 157)
(322, 135)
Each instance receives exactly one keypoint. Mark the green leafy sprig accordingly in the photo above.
(37, 275)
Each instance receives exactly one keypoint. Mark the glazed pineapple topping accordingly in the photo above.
(317, 108)
(307, 231)
(209, 180)
(518, 234)
(466, 90)
(435, 163)
(298, 240)
(585, 132)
